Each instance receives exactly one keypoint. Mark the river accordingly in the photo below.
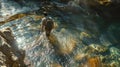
(78, 37)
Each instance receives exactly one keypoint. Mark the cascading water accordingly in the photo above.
(77, 37)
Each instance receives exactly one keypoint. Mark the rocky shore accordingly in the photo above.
(10, 54)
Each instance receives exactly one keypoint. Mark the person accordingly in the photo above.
(47, 24)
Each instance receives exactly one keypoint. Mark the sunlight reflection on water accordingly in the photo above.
(71, 40)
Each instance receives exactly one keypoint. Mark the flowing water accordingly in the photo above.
(75, 38)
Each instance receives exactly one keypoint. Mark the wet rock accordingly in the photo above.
(107, 9)
(94, 62)
(114, 51)
(19, 16)
(84, 34)
(104, 2)
(88, 38)
(11, 55)
(80, 57)
(55, 65)
(105, 65)
(11, 18)
(94, 2)
(113, 64)
(99, 48)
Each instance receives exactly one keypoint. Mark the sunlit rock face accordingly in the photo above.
(10, 54)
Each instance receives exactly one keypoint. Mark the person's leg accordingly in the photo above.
(48, 31)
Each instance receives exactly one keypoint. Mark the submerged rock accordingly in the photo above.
(98, 48)
(55, 65)
(10, 54)
(94, 62)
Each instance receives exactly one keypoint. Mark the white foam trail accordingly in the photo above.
(9, 8)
